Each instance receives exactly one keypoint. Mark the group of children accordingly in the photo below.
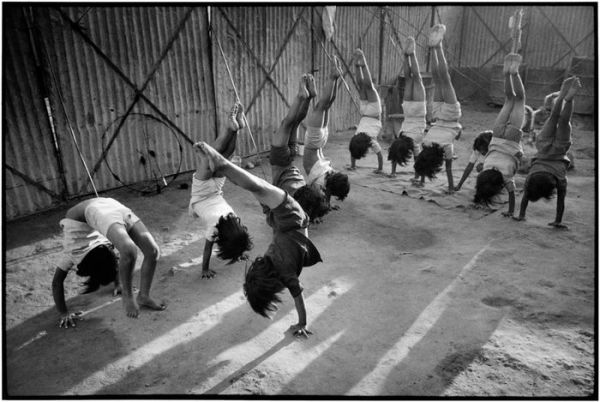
(101, 235)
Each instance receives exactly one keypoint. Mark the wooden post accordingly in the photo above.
(462, 35)
(381, 42)
(312, 40)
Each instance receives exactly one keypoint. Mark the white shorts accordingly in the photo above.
(104, 212)
(315, 137)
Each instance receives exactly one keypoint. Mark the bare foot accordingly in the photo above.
(310, 85)
(519, 218)
(575, 86)
(436, 35)
(232, 123)
(514, 61)
(215, 159)
(303, 87)
(131, 308)
(360, 58)
(337, 69)
(410, 45)
(565, 87)
(148, 303)
(239, 117)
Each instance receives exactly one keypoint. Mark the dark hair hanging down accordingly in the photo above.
(540, 185)
(401, 150)
(100, 266)
(429, 161)
(312, 201)
(338, 185)
(359, 145)
(482, 141)
(232, 238)
(489, 184)
(261, 287)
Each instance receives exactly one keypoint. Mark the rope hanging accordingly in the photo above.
(62, 103)
(237, 98)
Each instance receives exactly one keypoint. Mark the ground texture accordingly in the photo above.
(414, 298)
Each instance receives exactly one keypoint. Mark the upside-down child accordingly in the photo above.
(290, 250)
(321, 176)
(90, 255)
(216, 219)
(548, 172)
(284, 174)
(505, 149)
(408, 141)
(438, 142)
(369, 125)
(88, 229)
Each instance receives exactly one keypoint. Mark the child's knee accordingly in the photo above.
(128, 253)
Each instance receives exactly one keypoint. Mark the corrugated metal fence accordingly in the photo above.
(135, 86)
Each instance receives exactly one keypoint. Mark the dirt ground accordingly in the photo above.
(414, 298)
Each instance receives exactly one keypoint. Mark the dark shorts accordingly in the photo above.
(281, 156)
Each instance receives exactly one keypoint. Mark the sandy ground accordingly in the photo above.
(413, 298)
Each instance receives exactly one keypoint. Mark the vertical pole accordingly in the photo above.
(213, 75)
(430, 25)
(381, 42)
(462, 34)
(312, 40)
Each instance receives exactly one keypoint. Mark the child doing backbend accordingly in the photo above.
(290, 249)
(216, 218)
(89, 254)
(548, 172)
(408, 141)
(125, 231)
(369, 126)
(285, 175)
(320, 174)
(438, 142)
(505, 149)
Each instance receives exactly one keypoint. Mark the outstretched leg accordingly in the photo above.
(241, 124)
(367, 88)
(440, 66)
(295, 115)
(503, 117)
(517, 114)
(418, 89)
(408, 79)
(319, 116)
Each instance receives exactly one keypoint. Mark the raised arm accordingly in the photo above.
(58, 293)
(266, 193)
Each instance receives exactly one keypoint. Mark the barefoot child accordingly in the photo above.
(505, 149)
(409, 140)
(321, 176)
(284, 174)
(369, 126)
(89, 254)
(216, 218)
(438, 143)
(290, 250)
(125, 231)
(548, 172)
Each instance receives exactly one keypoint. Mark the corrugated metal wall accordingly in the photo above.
(27, 138)
(102, 56)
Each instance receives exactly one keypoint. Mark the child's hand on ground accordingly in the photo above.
(334, 207)
(378, 171)
(350, 167)
(316, 221)
(519, 218)
(456, 188)
(69, 319)
(391, 175)
(208, 273)
(450, 191)
(299, 330)
(507, 214)
(558, 225)
(117, 290)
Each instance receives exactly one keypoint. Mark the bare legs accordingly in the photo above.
(513, 110)
(444, 91)
(414, 90)
(366, 88)
(286, 134)
(126, 244)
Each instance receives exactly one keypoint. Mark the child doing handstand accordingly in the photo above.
(320, 174)
(438, 142)
(290, 249)
(548, 172)
(284, 174)
(505, 149)
(125, 231)
(216, 218)
(370, 125)
(409, 140)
